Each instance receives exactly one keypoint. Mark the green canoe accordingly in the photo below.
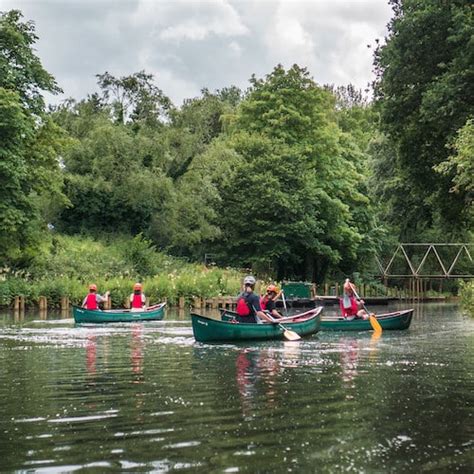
(212, 330)
(152, 313)
(396, 320)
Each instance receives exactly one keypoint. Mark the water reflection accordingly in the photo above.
(91, 355)
(258, 374)
(349, 357)
(245, 375)
(147, 397)
(18, 316)
(137, 351)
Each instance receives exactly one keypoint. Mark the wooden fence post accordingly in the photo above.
(43, 303)
(64, 304)
(22, 304)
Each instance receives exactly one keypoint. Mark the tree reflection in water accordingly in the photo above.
(91, 354)
(258, 373)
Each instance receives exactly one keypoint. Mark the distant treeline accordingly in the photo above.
(289, 178)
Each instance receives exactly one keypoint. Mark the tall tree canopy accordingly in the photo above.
(30, 141)
(425, 93)
(291, 191)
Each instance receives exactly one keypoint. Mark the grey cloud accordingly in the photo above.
(225, 43)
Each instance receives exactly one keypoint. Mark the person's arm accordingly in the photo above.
(143, 300)
(271, 307)
(255, 302)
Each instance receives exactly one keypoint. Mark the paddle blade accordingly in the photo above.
(291, 335)
(375, 324)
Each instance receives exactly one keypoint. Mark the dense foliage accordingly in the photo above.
(289, 178)
(425, 94)
(30, 141)
(115, 264)
(269, 180)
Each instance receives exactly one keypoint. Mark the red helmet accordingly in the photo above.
(272, 288)
(93, 287)
(137, 286)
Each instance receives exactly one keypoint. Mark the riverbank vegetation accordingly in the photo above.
(289, 178)
(467, 297)
(70, 263)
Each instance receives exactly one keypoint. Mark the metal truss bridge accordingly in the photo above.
(429, 260)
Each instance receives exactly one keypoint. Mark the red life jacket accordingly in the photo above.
(91, 302)
(352, 310)
(242, 307)
(137, 301)
(263, 303)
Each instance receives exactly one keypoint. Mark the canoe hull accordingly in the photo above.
(398, 320)
(211, 330)
(82, 315)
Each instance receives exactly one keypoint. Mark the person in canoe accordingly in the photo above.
(351, 307)
(137, 298)
(268, 301)
(248, 304)
(93, 299)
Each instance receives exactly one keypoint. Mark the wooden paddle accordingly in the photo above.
(373, 320)
(284, 302)
(287, 334)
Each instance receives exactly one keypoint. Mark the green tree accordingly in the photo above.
(425, 93)
(288, 202)
(115, 176)
(460, 166)
(197, 158)
(31, 142)
(134, 98)
(196, 124)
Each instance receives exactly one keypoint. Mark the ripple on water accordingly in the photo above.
(148, 397)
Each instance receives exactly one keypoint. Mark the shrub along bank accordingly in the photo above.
(467, 297)
(70, 263)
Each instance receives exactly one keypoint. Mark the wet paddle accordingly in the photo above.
(373, 320)
(287, 334)
(284, 302)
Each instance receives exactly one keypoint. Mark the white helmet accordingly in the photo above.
(249, 280)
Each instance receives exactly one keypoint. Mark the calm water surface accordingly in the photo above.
(146, 397)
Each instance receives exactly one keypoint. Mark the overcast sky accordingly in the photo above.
(189, 45)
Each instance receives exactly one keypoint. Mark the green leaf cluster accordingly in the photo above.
(30, 143)
(425, 94)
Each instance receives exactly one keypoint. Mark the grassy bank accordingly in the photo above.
(467, 297)
(69, 264)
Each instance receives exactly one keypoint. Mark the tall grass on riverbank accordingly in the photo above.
(467, 297)
(70, 264)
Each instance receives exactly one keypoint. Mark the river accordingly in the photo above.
(146, 397)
